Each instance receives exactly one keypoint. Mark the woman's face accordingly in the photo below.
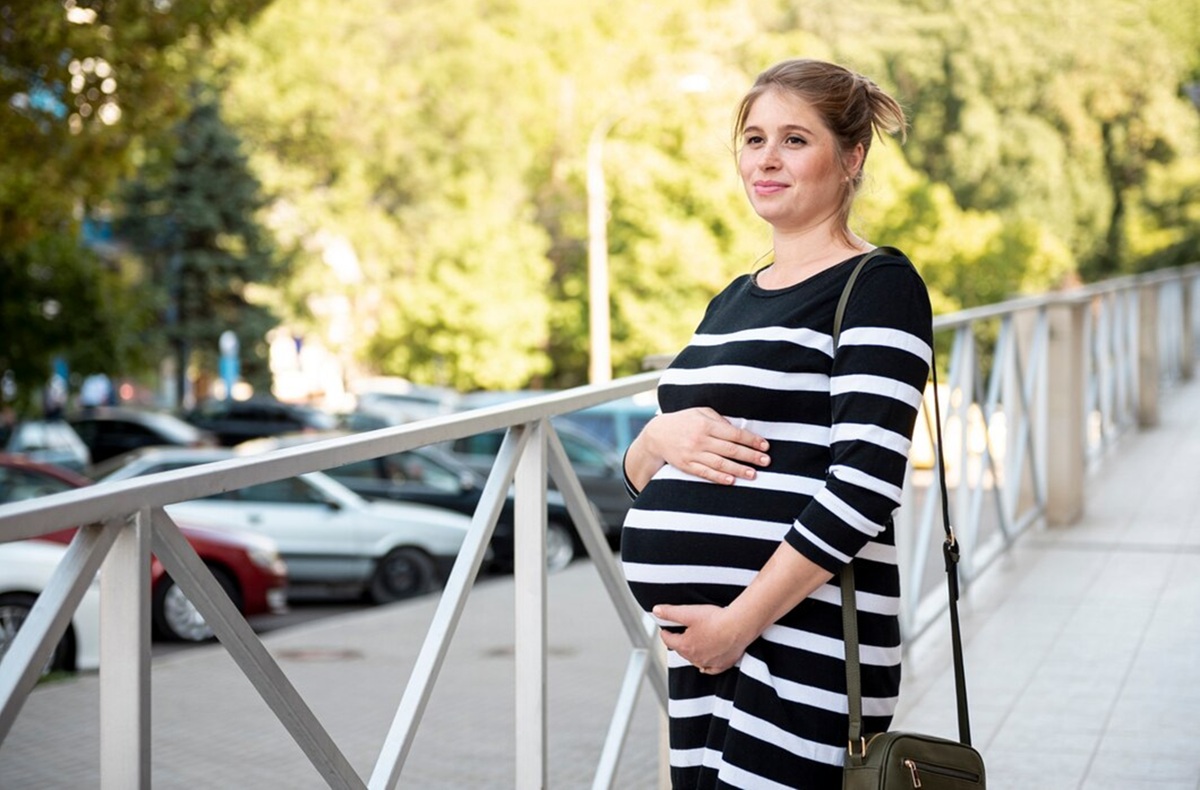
(789, 162)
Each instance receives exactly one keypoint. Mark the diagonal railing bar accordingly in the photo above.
(1022, 449)
(247, 650)
(635, 621)
(916, 611)
(618, 728)
(49, 618)
(962, 365)
(989, 405)
(432, 656)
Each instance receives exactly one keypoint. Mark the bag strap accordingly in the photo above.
(950, 553)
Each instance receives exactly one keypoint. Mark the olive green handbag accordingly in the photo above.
(891, 760)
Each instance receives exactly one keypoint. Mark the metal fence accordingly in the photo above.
(1035, 390)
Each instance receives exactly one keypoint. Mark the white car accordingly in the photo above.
(330, 537)
(25, 569)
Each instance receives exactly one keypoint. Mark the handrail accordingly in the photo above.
(1122, 340)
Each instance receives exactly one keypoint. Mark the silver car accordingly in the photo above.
(330, 537)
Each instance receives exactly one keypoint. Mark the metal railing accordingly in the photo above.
(1069, 366)
(1036, 392)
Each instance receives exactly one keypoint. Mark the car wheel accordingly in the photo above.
(176, 618)
(402, 573)
(560, 547)
(14, 611)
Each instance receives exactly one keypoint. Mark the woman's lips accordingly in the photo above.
(768, 187)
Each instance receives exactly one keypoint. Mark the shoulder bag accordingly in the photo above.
(892, 760)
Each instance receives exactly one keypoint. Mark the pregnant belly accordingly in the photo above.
(674, 557)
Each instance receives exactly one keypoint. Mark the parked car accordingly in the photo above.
(597, 467)
(402, 401)
(617, 423)
(235, 421)
(109, 431)
(48, 441)
(247, 566)
(25, 569)
(331, 538)
(432, 476)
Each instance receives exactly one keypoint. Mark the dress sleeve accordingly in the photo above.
(878, 378)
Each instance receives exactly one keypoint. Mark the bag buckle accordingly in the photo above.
(863, 743)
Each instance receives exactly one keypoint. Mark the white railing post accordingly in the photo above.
(1148, 371)
(529, 576)
(1066, 440)
(125, 658)
(1187, 320)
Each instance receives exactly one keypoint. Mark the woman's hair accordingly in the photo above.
(853, 108)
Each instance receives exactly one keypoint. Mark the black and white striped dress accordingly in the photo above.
(839, 433)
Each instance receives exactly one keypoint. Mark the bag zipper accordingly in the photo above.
(941, 770)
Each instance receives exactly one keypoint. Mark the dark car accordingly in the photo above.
(109, 431)
(431, 476)
(597, 467)
(235, 421)
(247, 566)
(616, 423)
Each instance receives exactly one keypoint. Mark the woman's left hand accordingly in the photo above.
(710, 640)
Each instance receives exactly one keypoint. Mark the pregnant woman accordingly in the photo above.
(776, 460)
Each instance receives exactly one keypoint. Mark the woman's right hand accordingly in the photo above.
(697, 441)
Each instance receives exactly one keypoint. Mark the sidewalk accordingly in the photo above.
(1082, 646)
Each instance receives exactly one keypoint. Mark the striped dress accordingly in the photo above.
(839, 432)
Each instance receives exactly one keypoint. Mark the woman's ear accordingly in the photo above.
(854, 161)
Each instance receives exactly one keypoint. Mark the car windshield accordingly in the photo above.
(20, 484)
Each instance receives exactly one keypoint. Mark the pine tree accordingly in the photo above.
(194, 221)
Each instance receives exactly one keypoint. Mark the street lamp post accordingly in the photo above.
(599, 327)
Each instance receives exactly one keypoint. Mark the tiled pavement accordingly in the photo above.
(1083, 666)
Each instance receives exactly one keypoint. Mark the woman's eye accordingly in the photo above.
(753, 139)
(795, 139)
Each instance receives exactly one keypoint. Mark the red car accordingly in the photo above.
(247, 566)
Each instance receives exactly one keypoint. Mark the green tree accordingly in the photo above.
(450, 157)
(193, 219)
(85, 88)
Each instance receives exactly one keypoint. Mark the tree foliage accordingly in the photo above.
(85, 87)
(193, 219)
(427, 160)
(451, 156)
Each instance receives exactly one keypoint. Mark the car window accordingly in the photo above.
(164, 466)
(361, 470)
(292, 491)
(87, 430)
(418, 468)
(480, 443)
(119, 428)
(17, 485)
(579, 452)
(636, 424)
(600, 426)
